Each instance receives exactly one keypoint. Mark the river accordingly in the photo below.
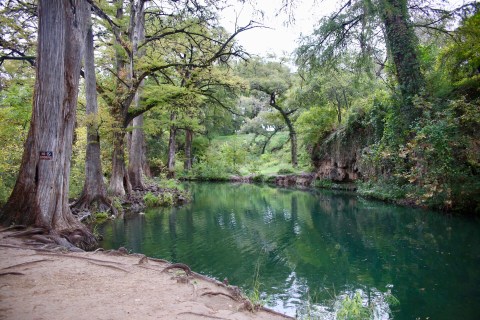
(302, 252)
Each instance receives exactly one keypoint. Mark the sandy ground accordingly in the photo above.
(51, 283)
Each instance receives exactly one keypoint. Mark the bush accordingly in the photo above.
(285, 171)
(100, 216)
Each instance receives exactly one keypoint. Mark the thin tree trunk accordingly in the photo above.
(40, 195)
(171, 148)
(188, 149)
(94, 195)
(291, 129)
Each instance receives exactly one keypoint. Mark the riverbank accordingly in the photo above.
(47, 282)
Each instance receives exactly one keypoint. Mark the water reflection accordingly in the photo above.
(315, 246)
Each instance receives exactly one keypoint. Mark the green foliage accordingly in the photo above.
(151, 200)
(460, 60)
(323, 183)
(77, 169)
(100, 217)
(438, 165)
(353, 309)
(314, 124)
(234, 153)
(164, 199)
(15, 111)
(286, 170)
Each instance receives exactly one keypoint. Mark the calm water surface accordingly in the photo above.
(314, 247)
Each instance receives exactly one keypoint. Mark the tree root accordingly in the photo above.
(16, 227)
(26, 233)
(158, 260)
(275, 312)
(201, 315)
(11, 273)
(80, 257)
(26, 263)
(182, 266)
(109, 266)
(219, 293)
(92, 204)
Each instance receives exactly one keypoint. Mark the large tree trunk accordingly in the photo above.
(40, 195)
(137, 149)
(171, 148)
(136, 155)
(188, 150)
(119, 181)
(402, 46)
(94, 195)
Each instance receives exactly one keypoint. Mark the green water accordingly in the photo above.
(315, 247)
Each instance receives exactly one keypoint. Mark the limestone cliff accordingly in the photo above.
(338, 157)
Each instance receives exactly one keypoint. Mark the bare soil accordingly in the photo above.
(48, 282)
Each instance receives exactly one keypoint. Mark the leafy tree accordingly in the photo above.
(163, 27)
(271, 81)
(373, 31)
(460, 61)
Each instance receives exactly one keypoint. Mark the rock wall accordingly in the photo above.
(338, 157)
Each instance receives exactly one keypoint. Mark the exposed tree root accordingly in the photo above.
(26, 263)
(16, 227)
(158, 260)
(45, 239)
(80, 257)
(26, 233)
(11, 273)
(182, 266)
(211, 293)
(201, 315)
(109, 266)
(92, 204)
(275, 312)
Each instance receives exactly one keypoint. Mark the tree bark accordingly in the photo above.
(137, 149)
(119, 181)
(291, 129)
(188, 149)
(171, 148)
(94, 194)
(402, 46)
(40, 195)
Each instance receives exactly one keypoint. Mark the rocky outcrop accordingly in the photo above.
(303, 179)
(339, 157)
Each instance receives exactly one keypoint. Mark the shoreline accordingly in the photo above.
(49, 282)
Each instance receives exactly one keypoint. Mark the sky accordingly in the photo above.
(279, 39)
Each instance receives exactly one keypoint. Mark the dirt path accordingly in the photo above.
(52, 284)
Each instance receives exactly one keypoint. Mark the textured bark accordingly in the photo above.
(188, 150)
(171, 148)
(136, 155)
(40, 195)
(119, 181)
(137, 148)
(402, 45)
(94, 194)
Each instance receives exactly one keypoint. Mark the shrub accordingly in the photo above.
(151, 200)
(285, 171)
